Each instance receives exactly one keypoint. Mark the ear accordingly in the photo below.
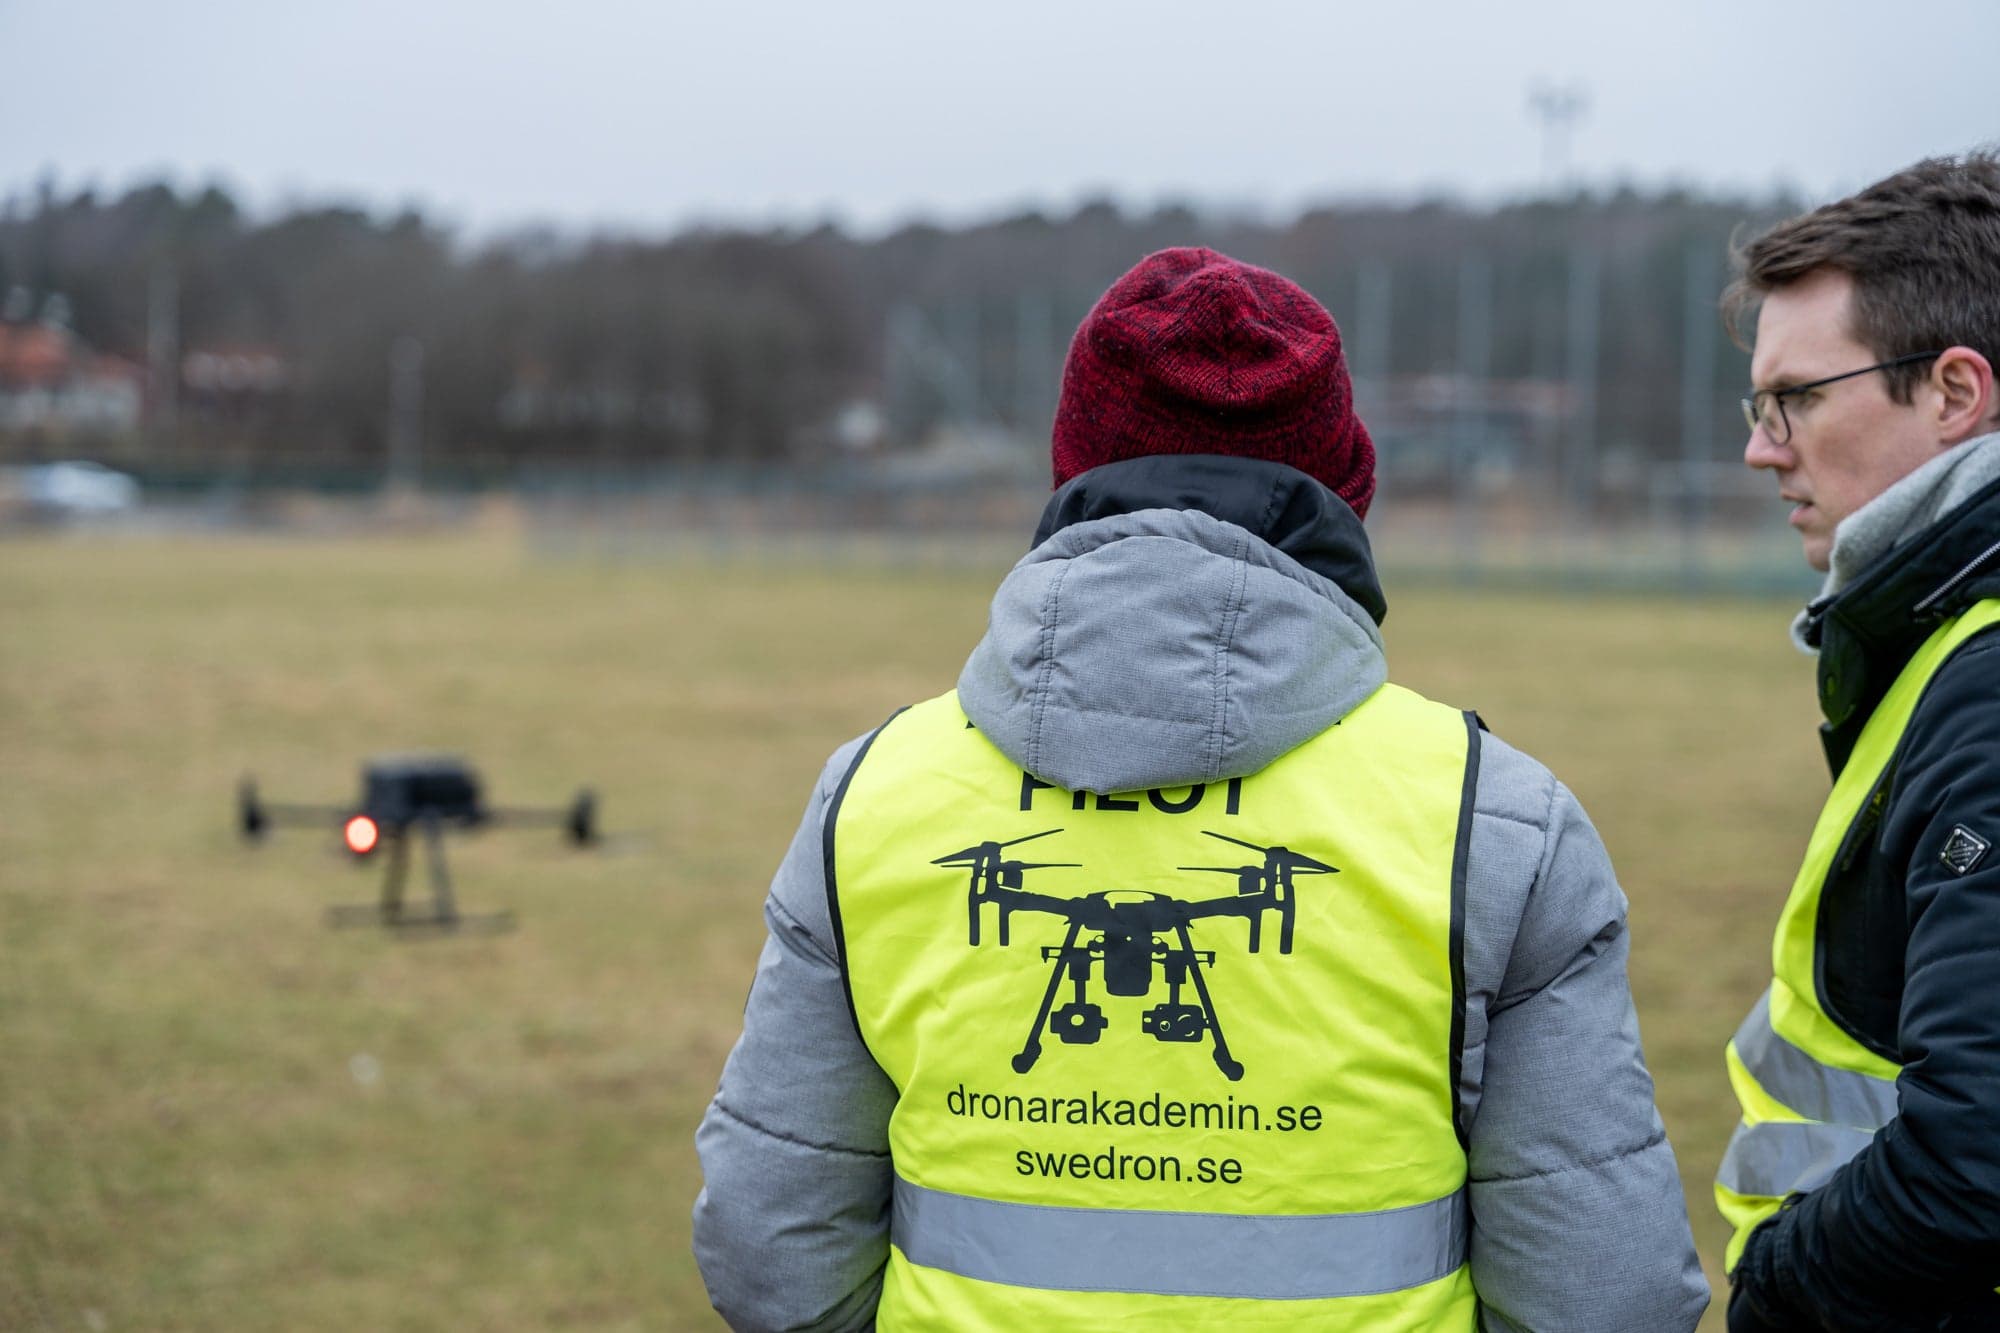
(1967, 404)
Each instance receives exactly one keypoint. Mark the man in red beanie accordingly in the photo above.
(1176, 970)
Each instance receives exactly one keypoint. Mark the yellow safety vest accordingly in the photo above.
(1813, 1096)
(1166, 1059)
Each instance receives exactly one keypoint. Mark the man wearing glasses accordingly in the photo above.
(1864, 1180)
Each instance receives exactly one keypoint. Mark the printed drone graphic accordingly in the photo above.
(1130, 931)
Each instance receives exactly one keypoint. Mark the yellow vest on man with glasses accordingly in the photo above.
(1811, 1095)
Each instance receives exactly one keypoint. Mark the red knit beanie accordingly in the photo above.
(1193, 352)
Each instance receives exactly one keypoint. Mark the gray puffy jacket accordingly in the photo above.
(1149, 641)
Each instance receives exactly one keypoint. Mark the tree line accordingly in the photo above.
(716, 345)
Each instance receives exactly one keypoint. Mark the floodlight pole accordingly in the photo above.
(1034, 339)
(1698, 321)
(1475, 342)
(1580, 457)
(1368, 353)
(406, 409)
(163, 353)
(1558, 110)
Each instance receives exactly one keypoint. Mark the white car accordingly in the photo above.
(80, 488)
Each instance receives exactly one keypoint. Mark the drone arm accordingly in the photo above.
(525, 817)
(1235, 904)
(305, 814)
(1021, 900)
(293, 816)
(578, 818)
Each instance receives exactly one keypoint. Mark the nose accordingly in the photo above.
(1761, 451)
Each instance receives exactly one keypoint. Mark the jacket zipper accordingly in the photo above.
(1955, 579)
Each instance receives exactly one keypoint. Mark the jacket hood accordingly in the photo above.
(1160, 634)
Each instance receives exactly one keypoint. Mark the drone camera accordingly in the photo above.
(1078, 1024)
(1175, 1022)
(361, 834)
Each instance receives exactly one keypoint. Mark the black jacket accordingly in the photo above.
(1907, 1234)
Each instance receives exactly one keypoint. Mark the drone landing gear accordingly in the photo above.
(1228, 1064)
(1077, 1023)
(444, 916)
(1081, 1023)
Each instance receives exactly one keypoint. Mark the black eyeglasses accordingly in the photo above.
(1766, 407)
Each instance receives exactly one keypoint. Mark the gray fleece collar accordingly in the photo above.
(1162, 648)
(1905, 509)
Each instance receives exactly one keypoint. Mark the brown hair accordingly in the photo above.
(1923, 249)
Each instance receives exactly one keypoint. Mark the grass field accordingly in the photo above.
(187, 1137)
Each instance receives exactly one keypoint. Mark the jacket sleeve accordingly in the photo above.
(1578, 1219)
(1910, 1227)
(791, 1230)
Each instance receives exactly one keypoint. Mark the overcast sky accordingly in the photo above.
(492, 114)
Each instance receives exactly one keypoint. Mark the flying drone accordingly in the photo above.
(1127, 928)
(406, 795)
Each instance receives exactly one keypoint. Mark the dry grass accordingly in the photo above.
(183, 1141)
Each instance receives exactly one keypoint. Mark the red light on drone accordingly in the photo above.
(361, 835)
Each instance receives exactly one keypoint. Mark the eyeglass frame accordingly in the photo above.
(1778, 396)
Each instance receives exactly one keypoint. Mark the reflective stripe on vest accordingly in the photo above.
(1159, 1054)
(1811, 1095)
(1813, 1090)
(1780, 1157)
(1308, 1257)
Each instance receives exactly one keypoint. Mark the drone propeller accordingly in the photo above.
(977, 851)
(1039, 865)
(1031, 837)
(1296, 861)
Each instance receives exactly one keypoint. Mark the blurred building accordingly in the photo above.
(54, 389)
